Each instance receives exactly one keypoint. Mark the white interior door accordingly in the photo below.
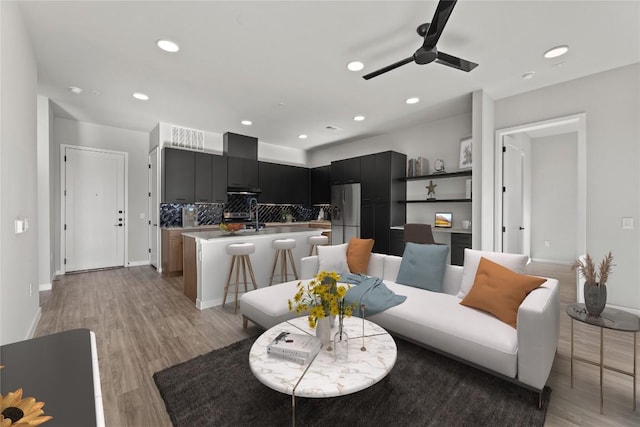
(154, 209)
(512, 200)
(94, 200)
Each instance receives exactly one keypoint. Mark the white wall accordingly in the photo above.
(46, 268)
(135, 143)
(554, 197)
(612, 106)
(19, 299)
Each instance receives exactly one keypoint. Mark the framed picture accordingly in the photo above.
(466, 159)
(444, 219)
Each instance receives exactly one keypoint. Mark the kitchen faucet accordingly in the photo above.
(252, 201)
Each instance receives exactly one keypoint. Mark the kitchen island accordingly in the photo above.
(206, 263)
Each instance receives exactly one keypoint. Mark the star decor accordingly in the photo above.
(431, 190)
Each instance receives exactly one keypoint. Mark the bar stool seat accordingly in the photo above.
(240, 260)
(315, 241)
(283, 249)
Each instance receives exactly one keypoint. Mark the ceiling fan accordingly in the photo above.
(428, 52)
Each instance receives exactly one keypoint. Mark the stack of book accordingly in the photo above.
(418, 167)
(298, 348)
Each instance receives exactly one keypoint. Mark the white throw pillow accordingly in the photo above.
(514, 262)
(333, 258)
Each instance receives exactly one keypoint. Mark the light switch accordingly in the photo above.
(627, 223)
(19, 224)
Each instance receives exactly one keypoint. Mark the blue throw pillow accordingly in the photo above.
(423, 266)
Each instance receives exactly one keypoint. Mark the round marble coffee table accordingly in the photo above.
(324, 376)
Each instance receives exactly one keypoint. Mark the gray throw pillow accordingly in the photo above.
(423, 266)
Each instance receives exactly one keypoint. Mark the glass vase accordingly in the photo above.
(341, 346)
(323, 331)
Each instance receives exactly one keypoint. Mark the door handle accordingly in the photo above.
(521, 228)
(118, 225)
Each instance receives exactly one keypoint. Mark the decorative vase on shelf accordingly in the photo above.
(323, 331)
(595, 298)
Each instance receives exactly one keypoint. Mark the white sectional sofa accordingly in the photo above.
(438, 321)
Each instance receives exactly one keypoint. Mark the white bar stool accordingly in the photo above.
(315, 241)
(240, 259)
(283, 248)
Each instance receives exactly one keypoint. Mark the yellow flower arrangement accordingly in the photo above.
(19, 411)
(321, 297)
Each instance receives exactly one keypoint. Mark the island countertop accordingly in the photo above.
(217, 234)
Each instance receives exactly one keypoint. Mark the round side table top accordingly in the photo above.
(324, 376)
(610, 318)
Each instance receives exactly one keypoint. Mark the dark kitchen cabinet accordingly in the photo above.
(295, 185)
(218, 179)
(320, 178)
(242, 172)
(203, 177)
(459, 241)
(270, 175)
(345, 171)
(381, 189)
(179, 176)
(396, 246)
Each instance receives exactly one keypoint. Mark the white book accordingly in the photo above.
(299, 345)
(290, 358)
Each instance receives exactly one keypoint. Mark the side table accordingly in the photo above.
(613, 319)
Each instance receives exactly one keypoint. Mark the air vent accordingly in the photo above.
(187, 138)
(333, 128)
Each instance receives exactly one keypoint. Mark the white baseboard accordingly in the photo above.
(59, 273)
(44, 287)
(208, 303)
(138, 263)
(34, 324)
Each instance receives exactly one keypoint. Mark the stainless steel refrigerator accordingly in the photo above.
(345, 217)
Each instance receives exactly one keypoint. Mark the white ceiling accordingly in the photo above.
(282, 64)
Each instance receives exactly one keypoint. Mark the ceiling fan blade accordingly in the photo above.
(388, 68)
(455, 62)
(440, 18)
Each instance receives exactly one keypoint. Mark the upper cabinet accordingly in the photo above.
(179, 176)
(191, 176)
(345, 171)
(320, 178)
(283, 184)
(242, 172)
(270, 175)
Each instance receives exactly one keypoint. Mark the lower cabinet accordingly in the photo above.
(459, 241)
(172, 252)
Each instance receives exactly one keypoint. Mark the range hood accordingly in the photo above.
(244, 147)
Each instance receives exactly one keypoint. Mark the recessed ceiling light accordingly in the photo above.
(75, 89)
(358, 118)
(355, 66)
(302, 136)
(529, 75)
(246, 122)
(554, 52)
(141, 96)
(412, 100)
(168, 45)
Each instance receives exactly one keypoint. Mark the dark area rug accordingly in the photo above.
(423, 389)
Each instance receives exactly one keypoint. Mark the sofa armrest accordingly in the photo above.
(309, 267)
(538, 332)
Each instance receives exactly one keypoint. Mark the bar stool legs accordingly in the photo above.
(240, 260)
(283, 250)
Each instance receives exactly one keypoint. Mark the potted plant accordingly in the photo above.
(595, 289)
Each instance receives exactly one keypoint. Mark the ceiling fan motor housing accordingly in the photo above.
(424, 56)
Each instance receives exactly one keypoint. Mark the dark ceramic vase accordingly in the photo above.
(595, 298)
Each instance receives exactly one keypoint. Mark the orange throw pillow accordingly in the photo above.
(358, 254)
(500, 291)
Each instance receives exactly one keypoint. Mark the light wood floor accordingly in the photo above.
(143, 324)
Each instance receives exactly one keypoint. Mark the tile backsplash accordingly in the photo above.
(212, 213)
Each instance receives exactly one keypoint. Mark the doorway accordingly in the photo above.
(506, 213)
(94, 226)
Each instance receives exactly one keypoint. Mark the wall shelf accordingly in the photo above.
(438, 175)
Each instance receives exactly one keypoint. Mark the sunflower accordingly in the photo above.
(19, 412)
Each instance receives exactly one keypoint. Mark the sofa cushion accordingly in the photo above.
(269, 306)
(423, 266)
(333, 258)
(358, 254)
(472, 257)
(500, 291)
(438, 320)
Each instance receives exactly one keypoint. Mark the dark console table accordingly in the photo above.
(60, 370)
